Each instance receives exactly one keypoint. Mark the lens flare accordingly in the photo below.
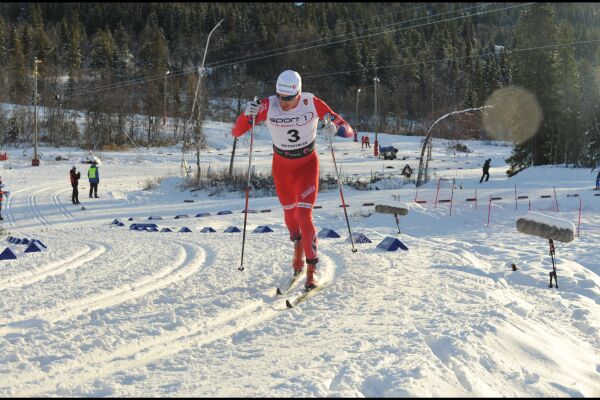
(516, 115)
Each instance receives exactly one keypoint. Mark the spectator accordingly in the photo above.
(94, 178)
(407, 171)
(75, 183)
(486, 170)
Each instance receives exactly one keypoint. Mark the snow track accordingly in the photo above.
(97, 363)
(185, 266)
(106, 311)
(73, 261)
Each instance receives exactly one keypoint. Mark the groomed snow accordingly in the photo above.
(106, 311)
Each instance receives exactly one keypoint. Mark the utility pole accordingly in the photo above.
(165, 100)
(35, 162)
(356, 117)
(376, 144)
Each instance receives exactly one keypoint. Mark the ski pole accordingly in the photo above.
(341, 191)
(241, 267)
(553, 272)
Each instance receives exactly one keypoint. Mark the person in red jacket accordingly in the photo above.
(2, 194)
(292, 117)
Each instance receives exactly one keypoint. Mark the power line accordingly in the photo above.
(289, 36)
(185, 72)
(455, 58)
(333, 37)
(482, 55)
(373, 34)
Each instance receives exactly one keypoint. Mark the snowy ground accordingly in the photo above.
(107, 311)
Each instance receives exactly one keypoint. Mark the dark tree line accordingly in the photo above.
(109, 61)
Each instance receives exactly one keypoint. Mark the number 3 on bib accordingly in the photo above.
(294, 134)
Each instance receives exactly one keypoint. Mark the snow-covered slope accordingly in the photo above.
(108, 311)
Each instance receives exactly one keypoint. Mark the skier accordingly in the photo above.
(94, 179)
(292, 117)
(74, 183)
(486, 170)
(598, 181)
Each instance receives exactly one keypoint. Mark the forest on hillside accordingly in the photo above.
(115, 62)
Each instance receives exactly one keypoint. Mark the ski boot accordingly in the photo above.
(298, 262)
(311, 282)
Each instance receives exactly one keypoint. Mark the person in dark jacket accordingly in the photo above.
(94, 178)
(75, 183)
(486, 170)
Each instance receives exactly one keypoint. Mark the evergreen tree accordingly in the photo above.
(478, 85)
(2, 44)
(103, 52)
(536, 71)
(115, 42)
(154, 65)
(591, 112)
(19, 68)
(74, 52)
(353, 63)
(571, 145)
(124, 60)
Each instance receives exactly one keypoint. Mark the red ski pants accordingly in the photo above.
(297, 185)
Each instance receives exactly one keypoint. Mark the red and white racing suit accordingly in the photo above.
(295, 162)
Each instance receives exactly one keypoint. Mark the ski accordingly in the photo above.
(290, 283)
(304, 296)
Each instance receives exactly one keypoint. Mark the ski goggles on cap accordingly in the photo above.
(287, 98)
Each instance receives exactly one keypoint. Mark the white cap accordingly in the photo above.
(289, 83)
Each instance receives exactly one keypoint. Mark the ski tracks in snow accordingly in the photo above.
(79, 258)
(98, 363)
(38, 211)
(177, 270)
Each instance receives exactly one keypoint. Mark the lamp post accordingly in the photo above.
(356, 116)
(198, 121)
(376, 144)
(35, 161)
(165, 100)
